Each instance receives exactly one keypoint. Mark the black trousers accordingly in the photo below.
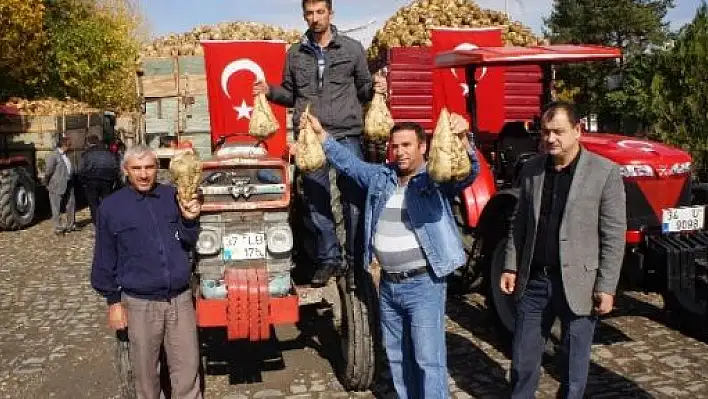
(96, 191)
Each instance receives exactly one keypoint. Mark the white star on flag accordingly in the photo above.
(244, 111)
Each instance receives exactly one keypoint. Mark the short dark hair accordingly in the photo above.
(63, 140)
(416, 127)
(92, 140)
(327, 2)
(550, 110)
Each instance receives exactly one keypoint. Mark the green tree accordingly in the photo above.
(635, 26)
(93, 51)
(83, 49)
(676, 101)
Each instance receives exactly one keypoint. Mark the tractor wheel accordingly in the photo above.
(126, 379)
(357, 331)
(501, 305)
(468, 277)
(17, 199)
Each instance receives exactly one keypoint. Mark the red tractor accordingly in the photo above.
(17, 188)
(666, 237)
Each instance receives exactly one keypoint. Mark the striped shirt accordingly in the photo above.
(395, 244)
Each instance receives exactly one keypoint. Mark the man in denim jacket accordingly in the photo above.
(408, 224)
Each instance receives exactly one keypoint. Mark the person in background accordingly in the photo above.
(141, 266)
(411, 229)
(329, 71)
(58, 178)
(564, 252)
(98, 173)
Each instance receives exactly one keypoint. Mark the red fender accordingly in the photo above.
(476, 195)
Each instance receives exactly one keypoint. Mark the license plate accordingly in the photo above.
(244, 246)
(675, 220)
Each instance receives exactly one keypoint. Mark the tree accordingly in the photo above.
(22, 27)
(94, 50)
(83, 49)
(635, 26)
(677, 99)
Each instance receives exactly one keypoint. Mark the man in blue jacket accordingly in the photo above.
(141, 266)
(409, 226)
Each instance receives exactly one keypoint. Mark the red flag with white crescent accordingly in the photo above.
(231, 69)
(450, 85)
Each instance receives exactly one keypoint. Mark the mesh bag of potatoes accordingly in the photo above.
(411, 25)
(263, 123)
(448, 159)
(309, 153)
(186, 171)
(378, 121)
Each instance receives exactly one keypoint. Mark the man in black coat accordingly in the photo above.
(98, 172)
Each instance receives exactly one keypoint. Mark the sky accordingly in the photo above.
(174, 16)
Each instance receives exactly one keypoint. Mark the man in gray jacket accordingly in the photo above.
(58, 180)
(328, 71)
(564, 252)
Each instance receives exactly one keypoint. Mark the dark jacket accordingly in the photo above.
(97, 163)
(142, 246)
(346, 84)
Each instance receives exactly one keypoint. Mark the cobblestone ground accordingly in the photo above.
(54, 342)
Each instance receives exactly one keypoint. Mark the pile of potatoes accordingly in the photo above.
(411, 25)
(47, 106)
(188, 43)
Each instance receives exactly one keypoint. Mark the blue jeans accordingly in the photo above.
(316, 191)
(413, 327)
(541, 302)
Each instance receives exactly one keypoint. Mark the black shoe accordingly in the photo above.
(324, 273)
(72, 228)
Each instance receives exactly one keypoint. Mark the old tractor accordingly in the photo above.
(253, 258)
(666, 237)
(251, 246)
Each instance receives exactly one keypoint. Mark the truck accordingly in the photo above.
(666, 236)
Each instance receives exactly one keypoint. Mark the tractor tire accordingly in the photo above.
(357, 332)
(470, 276)
(17, 199)
(502, 306)
(126, 379)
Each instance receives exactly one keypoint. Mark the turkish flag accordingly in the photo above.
(450, 87)
(231, 69)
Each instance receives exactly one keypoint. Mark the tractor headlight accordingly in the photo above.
(280, 239)
(681, 168)
(636, 171)
(209, 242)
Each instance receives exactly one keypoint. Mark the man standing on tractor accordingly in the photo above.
(141, 266)
(59, 180)
(564, 253)
(410, 227)
(329, 71)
